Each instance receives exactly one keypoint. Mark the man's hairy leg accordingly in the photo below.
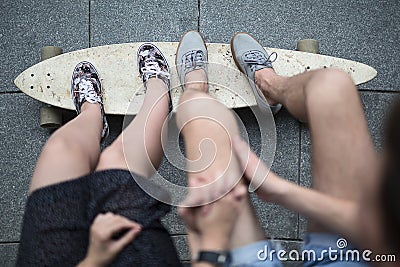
(345, 164)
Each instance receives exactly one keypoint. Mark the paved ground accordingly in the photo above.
(365, 30)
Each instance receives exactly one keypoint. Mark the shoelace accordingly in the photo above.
(194, 59)
(152, 67)
(256, 58)
(86, 90)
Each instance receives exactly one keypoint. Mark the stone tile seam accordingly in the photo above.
(89, 24)
(198, 14)
(379, 91)
(11, 92)
(299, 173)
(9, 243)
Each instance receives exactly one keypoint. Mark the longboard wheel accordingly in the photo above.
(50, 117)
(308, 45)
(50, 51)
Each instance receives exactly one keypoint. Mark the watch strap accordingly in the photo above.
(218, 258)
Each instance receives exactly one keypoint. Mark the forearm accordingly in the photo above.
(336, 214)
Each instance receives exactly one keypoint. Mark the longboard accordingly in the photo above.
(49, 81)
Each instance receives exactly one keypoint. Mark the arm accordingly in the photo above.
(105, 242)
(211, 225)
(336, 214)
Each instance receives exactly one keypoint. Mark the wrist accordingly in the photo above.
(86, 262)
(194, 243)
(90, 262)
(212, 258)
(281, 188)
(214, 243)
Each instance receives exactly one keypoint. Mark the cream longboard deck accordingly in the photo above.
(50, 80)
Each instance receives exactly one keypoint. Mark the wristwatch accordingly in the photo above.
(218, 258)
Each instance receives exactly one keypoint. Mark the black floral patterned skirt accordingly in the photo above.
(57, 220)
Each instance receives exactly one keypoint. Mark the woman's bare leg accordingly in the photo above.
(217, 124)
(72, 151)
(139, 147)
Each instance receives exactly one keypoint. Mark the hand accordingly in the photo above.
(217, 220)
(211, 225)
(105, 242)
(264, 182)
(198, 195)
(203, 191)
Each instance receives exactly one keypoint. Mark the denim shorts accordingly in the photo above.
(255, 254)
(322, 249)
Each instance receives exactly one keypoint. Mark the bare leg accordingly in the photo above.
(72, 151)
(141, 140)
(216, 123)
(345, 163)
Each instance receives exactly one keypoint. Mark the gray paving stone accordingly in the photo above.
(8, 254)
(22, 140)
(288, 246)
(174, 223)
(287, 136)
(182, 247)
(376, 107)
(366, 31)
(305, 171)
(134, 21)
(28, 25)
(277, 221)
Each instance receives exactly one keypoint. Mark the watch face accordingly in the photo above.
(221, 258)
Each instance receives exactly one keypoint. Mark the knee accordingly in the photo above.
(112, 156)
(59, 144)
(331, 87)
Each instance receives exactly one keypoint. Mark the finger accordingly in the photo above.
(124, 219)
(126, 239)
(206, 208)
(226, 204)
(239, 192)
(189, 216)
(231, 199)
(220, 188)
(184, 213)
(196, 197)
(101, 217)
(118, 224)
(254, 169)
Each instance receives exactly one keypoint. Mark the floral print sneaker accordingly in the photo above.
(152, 64)
(86, 87)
